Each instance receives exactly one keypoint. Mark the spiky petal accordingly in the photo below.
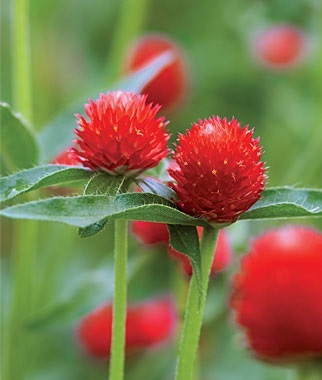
(218, 174)
(122, 135)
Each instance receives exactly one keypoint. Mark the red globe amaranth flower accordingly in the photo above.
(277, 294)
(222, 255)
(147, 324)
(151, 233)
(123, 136)
(280, 46)
(219, 173)
(170, 85)
(65, 158)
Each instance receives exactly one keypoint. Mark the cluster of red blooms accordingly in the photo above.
(277, 295)
(148, 324)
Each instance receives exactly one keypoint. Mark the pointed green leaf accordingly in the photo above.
(185, 240)
(286, 202)
(84, 210)
(58, 133)
(151, 185)
(103, 184)
(40, 176)
(19, 147)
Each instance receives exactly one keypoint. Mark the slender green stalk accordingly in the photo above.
(194, 309)
(21, 70)
(128, 27)
(18, 349)
(119, 302)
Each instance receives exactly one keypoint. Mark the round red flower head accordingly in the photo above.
(280, 46)
(170, 85)
(277, 295)
(150, 233)
(122, 135)
(148, 324)
(218, 174)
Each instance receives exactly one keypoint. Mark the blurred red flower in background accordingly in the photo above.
(280, 46)
(150, 233)
(219, 174)
(66, 158)
(147, 324)
(222, 255)
(277, 294)
(171, 84)
(123, 136)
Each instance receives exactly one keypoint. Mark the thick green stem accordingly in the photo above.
(128, 27)
(119, 302)
(21, 59)
(194, 309)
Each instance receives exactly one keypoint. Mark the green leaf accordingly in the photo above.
(185, 240)
(103, 184)
(151, 185)
(40, 176)
(19, 147)
(58, 133)
(286, 202)
(84, 210)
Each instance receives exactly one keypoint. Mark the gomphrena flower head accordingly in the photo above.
(171, 85)
(148, 324)
(218, 170)
(150, 233)
(280, 46)
(122, 135)
(277, 295)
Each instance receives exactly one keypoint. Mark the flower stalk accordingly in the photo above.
(119, 301)
(195, 308)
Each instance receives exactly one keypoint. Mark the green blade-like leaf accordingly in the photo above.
(19, 147)
(58, 133)
(40, 176)
(151, 185)
(84, 210)
(286, 202)
(185, 240)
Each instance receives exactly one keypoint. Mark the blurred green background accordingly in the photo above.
(74, 45)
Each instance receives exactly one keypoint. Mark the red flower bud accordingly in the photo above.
(222, 255)
(147, 324)
(170, 85)
(151, 233)
(280, 46)
(277, 294)
(123, 136)
(219, 173)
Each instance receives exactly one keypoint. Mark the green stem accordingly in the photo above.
(119, 302)
(21, 59)
(194, 309)
(19, 357)
(128, 27)
(309, 371)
